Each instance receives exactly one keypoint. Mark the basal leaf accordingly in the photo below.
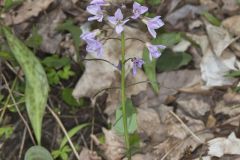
(37, 153)
(36, 91)
(131, 118)
(168, 39)
(172, 61)
(212, 19)
(71, 133)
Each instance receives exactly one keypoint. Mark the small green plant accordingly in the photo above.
(57, 69)
(6, 132)
(62, 153)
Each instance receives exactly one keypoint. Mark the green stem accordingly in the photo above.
(123, 98)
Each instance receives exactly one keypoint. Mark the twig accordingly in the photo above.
(22, 144)
(187, 128)
(64, 131)
(20, 114)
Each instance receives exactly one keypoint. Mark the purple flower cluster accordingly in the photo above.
(118, 21)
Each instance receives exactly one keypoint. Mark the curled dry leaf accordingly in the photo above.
(171, 83)
(232, 24)
(114, 147)
(100, 75)
(27, 10)
(194, 105)
(183, 12)
(209, 4)
(47, 29)
(220, 146)
(174, 148)
(219, 38)
(230, 5)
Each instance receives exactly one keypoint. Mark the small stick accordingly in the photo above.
(20, 114)
(187, 128)
(22, 143)
(64, 131)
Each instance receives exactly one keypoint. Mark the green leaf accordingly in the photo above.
(238, 1)
(172, 61)
(134, 141)
(168, 39)
(140, 1)
(131, 118)
(66, 72)
(37, 153)
(154, 2)
(233, 74)
(62, 152)
(6, 131)
(56, 62)
(150, 70)
(36, 91)
(69, 99)
(211, 19)
(6, 55)
(35, 40)
(71, 133)
(74, 30)
(8, 4)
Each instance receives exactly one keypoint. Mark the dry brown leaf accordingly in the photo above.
(27, 10)
(219, 38)
(209, 4)
(174, 148)
(113, 100)
(100, 75)
(89, 155)
(171, 82)
(220, 146)
(47, 29)
(232, 24)
(194, 105)
(230, 5)
(114, 147)
(181, 13)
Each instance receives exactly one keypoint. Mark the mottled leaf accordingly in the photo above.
(36, 91)
(37, 153)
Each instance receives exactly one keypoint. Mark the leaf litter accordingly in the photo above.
(192, 110)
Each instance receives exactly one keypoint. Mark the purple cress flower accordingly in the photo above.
(138, 10)
(94, 46)
(137, 63)
(96, 11)
(152, 24)
(117, 21)
(154, 50)
(99, 2)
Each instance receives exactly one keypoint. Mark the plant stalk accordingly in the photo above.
(123, 97)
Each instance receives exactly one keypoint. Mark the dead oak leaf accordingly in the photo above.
(27, 10)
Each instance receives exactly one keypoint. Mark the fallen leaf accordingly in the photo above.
(219, 38)
(47, 29)
(27, 10)
(171, 82)
(232, 24)
(220, 146)
(184, 11)
(230, 5)
(209, 4)
(194, 105)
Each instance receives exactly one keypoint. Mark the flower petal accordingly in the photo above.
(118, 14)
(112, 20)
(119, 28)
